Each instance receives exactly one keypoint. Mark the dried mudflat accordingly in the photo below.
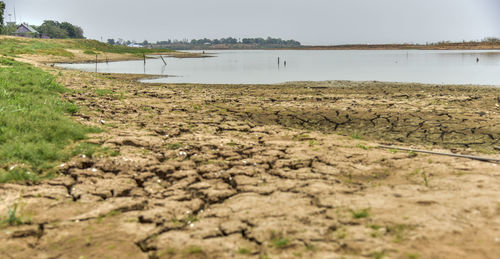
(268, 171)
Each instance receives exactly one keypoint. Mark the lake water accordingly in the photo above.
(261, 67)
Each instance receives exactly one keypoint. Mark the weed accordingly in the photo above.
(194, 250)
(174, 146)
(393, 150)
(312, 142)
(356, 136)
(13, 215)
(310, 247)
(280, 242)
(12, 219)
(412, 256)
(243, 251)
(378, 254)
(190, 219)
(412, 154)
(107, 215)
(375, 227)
(398, 231)
(358, 214)
(341, 233)
(425, 178)
(362, 146)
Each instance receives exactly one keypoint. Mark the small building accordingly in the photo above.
(134, 45)
(24, 30)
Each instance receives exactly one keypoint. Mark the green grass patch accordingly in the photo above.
(362, 147)
(193, 250)
(278, 240)
(34, 126)
(359, 214)
(399, 231)
(174, 146)
(356, 136)
(243, 251)
(90, 52)
(58, 47)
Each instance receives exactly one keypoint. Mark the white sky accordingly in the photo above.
(308, 21)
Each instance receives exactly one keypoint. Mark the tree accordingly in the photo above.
(111, 41)
(9, 29)
(2, 9)
(55, 29)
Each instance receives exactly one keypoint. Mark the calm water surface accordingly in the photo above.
(261, 67)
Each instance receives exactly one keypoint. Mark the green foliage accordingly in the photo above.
(358, 214)
(34, 128)
(362, 146)
(57, 30)
(243, 251)
(9, 29)
(356, 136)
(193, 250)
(280, 242)
(89, 52)
(399, 231)
(174, 146)
(2, 9)
(18, 175)
(13, 217)
(378, 254)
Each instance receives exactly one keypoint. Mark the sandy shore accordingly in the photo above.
(268, 171)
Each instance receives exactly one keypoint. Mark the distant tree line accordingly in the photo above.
(205, 43)
(229, 42)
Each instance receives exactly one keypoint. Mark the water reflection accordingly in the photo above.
(268, 66)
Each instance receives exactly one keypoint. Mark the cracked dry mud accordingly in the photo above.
(278, 171)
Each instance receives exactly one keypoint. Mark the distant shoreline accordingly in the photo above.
(440, 46)
(434, 46)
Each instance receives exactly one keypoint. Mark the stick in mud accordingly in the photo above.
(163, 60)
(484, 159)
(96, 63)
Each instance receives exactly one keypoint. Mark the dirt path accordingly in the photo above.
(280, 171)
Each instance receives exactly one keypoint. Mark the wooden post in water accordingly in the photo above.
(163, 60)
(144, 56)
(96, 63)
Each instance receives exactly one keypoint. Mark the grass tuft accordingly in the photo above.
(359, 214)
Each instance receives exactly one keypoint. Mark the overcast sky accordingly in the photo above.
(308, 21)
